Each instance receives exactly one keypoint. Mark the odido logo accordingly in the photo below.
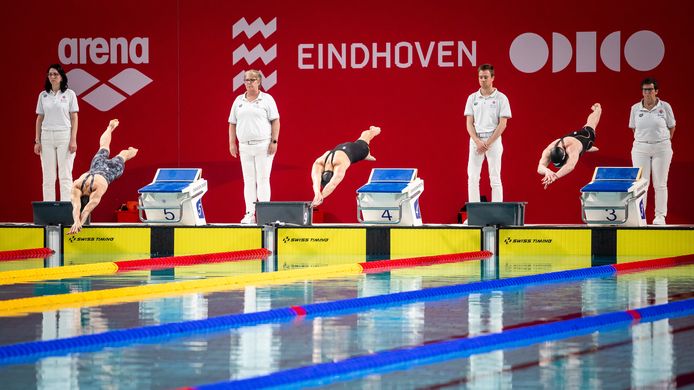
(643, 51)
(258, 52)
(99, 51)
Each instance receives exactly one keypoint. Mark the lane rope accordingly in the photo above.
(106, 268)
(33, 350)
(21, 254)
(138, 293)
(405, 358)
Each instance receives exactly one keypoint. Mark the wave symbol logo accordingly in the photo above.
(111, 93)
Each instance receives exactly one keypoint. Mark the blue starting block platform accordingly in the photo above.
(174, 197)
(391, 196)
(615, 196)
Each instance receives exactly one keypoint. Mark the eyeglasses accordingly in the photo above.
(250, 80)
(51, 74)
(647, 89)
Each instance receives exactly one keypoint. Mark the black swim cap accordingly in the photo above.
(325, 178)
(558, 156)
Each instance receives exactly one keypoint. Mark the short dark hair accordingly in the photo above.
(488, 67)
(63, 78)
(650, 80)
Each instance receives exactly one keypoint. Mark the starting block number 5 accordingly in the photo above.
(169, 215)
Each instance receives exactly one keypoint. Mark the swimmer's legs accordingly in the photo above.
(367, 136)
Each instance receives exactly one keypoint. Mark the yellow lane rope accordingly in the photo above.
(22, 306)
(69, 271)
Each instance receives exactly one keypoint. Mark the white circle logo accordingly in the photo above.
(644, 50)
(529, 52)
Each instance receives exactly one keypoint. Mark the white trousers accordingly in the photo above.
(474, 168)
(256, 166)
(654, 159)
(55, 152)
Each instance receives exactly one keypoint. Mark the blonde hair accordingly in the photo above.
(257, 74)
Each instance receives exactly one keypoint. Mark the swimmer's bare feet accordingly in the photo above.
(368, 135)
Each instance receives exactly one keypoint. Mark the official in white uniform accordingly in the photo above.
(254, 122)
(487, 112)
(653, 123)
(56, 133)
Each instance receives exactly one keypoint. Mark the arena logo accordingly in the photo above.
(100, 51)
(509, 240)
(288, 239)
(644, 50)
(73, 239)
(258, 52)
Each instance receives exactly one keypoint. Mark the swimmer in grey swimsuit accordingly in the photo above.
(94, 183)
(329, 169)
(110, 169)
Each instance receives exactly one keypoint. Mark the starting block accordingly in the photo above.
(615, 196)
(391, 196)
(174, 197)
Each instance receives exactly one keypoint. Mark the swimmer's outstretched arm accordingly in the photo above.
(338, 175)
(316, 173)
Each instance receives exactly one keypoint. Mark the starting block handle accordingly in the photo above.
(615, 222)
(361, 219)
(399, 208)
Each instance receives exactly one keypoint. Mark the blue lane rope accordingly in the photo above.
(29, 351)
(393, 360)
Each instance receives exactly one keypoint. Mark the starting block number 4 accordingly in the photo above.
(386, 215)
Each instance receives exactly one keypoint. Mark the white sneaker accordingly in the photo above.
(248, 219)
(659, 221)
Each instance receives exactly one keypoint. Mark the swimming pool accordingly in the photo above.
(648, 354)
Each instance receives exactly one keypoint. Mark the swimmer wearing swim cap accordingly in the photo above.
(329, 169)
(564, 152)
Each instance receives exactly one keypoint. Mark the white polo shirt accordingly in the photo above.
(651, 125)
(56, 109)
(486, 110)
(252, 119)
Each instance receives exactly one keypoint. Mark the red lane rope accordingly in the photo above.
(25, 254)
(177, 261)
(657, 263)
(381, 265)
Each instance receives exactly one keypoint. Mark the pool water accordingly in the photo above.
(646, 355)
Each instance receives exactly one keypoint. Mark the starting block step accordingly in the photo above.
(173, 197)
(391, 196)
(615, 196)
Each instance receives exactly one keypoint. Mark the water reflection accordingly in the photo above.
(58, 372)
(643, 356)
(652, 361)
(486, 315)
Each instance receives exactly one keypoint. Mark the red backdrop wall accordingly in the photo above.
(179, 118)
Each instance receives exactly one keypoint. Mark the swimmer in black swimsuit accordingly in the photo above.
(329, 169)
(564, 152)
(94, 183)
